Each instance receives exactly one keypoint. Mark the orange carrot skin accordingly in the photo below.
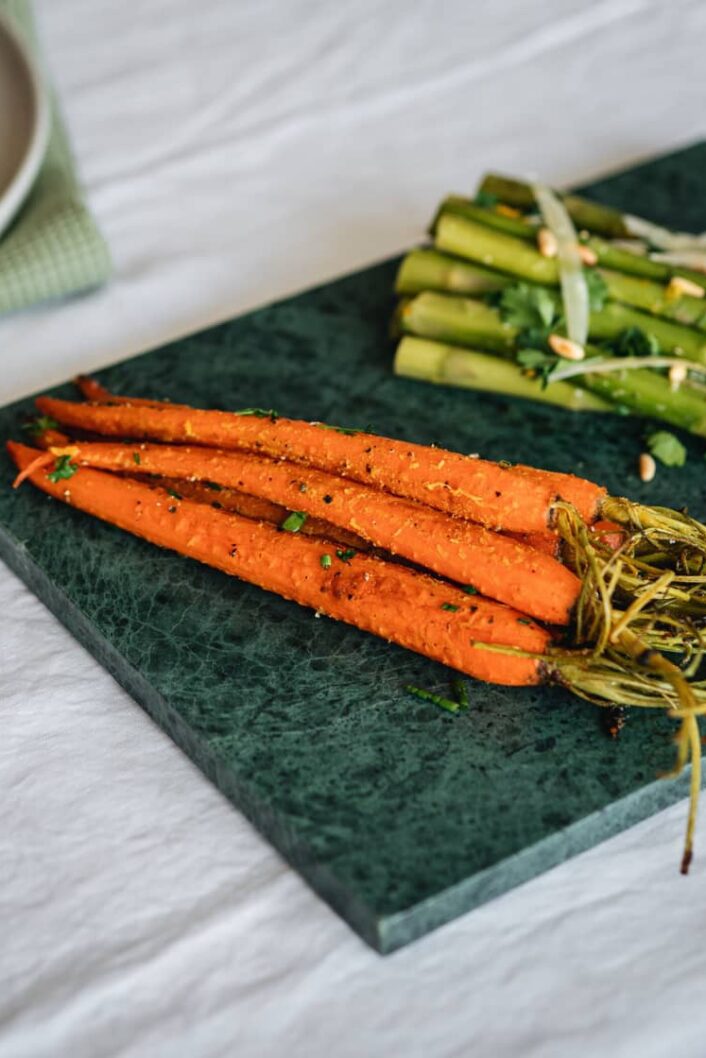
(469, 488)
(262, 510)
(584, 495)
(500, 568)
(548, 543)
(396, 603)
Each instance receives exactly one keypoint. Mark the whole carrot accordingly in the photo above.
(496, 496)
(495, 565)
(394, 602)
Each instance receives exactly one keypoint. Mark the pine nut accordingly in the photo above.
(677, 375)
(647, 467)
(546, 243)
(565, 348)
(678, 287)
(588, 256)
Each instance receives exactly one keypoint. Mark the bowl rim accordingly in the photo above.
(17, 190)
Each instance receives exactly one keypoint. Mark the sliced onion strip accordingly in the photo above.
(574, 290)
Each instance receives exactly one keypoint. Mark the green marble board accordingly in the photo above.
(398, 815)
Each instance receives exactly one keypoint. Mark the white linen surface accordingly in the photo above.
(235, 152)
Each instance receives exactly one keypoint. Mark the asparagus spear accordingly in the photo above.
(585, 214)
(448, 365)
(465, 322)
(458, 206)
(430, 270)
(593, 217)
(495, 249)
(477, 321)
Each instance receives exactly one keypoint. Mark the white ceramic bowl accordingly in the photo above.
(24, 122)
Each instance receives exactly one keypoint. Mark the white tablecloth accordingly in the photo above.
(234, 152)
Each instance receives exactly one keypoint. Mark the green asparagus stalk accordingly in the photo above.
(460, 321)
(478, 242)
(469, 323)
(494, 249)
(449, 365)
(473, 323)
(458, 206)
(614, 318)
(591, 217)
(430, 270)
(609, 255)
(603, 220)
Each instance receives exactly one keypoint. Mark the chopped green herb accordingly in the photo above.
(325, 561)
(436, 699)
(667, 448)
(347, 555)
(136, 458)
(173, 494)
(528, 307)
(213, 486)
(538, 363)
(523, 621)
(63, 469)
(597, 289)
(460, 693)
(260, 413)
(40, 424)
(486, 199)
(302, 487)
(450, 607)
(469, 589)
(339, 429)
(634, 342)
(293, 522)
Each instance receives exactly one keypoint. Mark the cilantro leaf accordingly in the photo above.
(667, 448)
(538, 363)
(597, 289)
(39, 425)
(633, 341)
(527, 307)
(63, 469)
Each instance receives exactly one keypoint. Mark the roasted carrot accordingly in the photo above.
(236, 502)
(399, 604)
(549, 543)
(496, 566)
(495, 496)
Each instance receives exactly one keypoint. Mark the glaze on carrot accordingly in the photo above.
(496, 566)
(394, 602)
(493, 495)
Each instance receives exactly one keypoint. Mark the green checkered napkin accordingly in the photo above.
(53, 247)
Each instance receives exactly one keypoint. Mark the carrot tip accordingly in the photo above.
(41, 461)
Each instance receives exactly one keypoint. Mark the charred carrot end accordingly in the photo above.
(475, 489)
(503, 569)
(394, 602)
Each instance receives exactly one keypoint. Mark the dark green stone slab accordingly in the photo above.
(400, 816)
